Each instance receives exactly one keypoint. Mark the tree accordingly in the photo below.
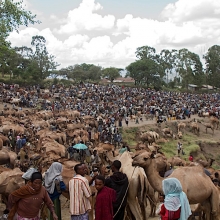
(111, 73)
(13, 15)
(45, 61)
(145, 72)
(95, 73)
(190, 68)
(212, 58)
(167, 61)
(145, 52)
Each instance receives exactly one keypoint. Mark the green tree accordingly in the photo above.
(111, 73)
(212, 58)
(145, 72)
(95, 73)
(13, 15)
(45, 61)
(167, 61)
(190, 68)
(145, 52)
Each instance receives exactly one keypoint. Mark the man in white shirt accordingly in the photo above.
(79, 195)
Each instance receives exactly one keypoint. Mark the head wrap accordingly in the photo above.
(36, 176)
(29, 173)
(176, 198)
(52, 174)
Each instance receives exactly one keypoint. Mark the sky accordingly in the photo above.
(108, 32)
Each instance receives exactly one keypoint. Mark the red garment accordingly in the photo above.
(191, 158)
(104, 204)
(169, 215)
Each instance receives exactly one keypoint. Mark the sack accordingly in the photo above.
(183, 153)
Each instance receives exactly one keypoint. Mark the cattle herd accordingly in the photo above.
(39, 126)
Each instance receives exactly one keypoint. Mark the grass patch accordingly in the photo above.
(129, 135)
(191, 145)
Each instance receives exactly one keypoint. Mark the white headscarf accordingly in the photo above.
(52, 174)
(176, 198)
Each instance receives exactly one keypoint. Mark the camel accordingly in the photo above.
(5, 140)
(180, 135)
(167, 132)
(208, 125)
(215, 122)
(7, 157)
(193, 187)
(153, 134)
(195, 127)
(107, 146)
(1, 144)
(10, 180)
(181, 127)
(176, 161)
(206, 164)
(146, 137)
(137, 179)
(138, 188)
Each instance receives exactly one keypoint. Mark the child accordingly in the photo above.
(161, 199)
(104, 200)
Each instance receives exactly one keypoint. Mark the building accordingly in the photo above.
(193, 87)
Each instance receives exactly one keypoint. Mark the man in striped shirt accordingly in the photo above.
(79, 195)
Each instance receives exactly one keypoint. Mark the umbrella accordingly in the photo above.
(80, 146)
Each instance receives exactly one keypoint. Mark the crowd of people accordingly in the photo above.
(114, 104)
(111, 196)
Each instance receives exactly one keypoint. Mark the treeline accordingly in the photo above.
(35, 64)
(153, 68)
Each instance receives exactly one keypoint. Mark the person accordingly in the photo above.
(88, 156)
(79, 195)
(176, 205)
(119, 182)
(95, 159)
(179, 147)
(191, 157)
(32, 195)
(123, 149)
(94, 173)
(54, 185)
(161, 199)
(104, 200)
(126, 121)
(11, 138)
(18, 144)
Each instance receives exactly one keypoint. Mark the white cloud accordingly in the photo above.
(86, 36)
(187, 10)
(84, 18)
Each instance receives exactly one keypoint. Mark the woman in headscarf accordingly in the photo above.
(54, 185)
(26, 202)
(176, 205)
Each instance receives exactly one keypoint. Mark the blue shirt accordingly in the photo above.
(55, 193)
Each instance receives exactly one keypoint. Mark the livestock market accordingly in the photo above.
(109, 110)
(108, 137)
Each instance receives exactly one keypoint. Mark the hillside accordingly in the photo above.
(204, 146)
